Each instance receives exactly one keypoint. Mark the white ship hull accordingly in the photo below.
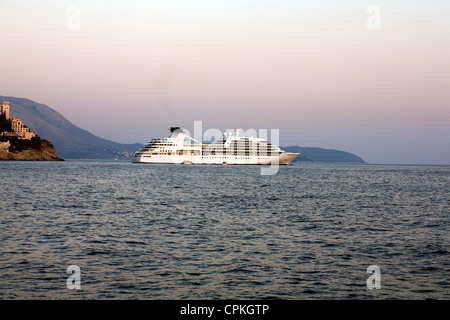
(282, 160)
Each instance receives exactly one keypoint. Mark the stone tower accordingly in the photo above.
(4, 109)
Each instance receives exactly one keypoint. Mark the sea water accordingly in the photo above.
(137, 231)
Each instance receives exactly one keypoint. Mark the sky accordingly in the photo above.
(367, 77)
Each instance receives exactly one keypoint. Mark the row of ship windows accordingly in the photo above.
(241, 158)
(192, 153)
(146, 148)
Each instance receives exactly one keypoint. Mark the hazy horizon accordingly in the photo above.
(320, 73)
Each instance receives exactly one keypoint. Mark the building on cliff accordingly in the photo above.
(22, 131)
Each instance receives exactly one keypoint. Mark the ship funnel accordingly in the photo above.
(236, 132)
(173, 129)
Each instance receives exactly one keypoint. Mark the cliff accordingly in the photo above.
(44, 152)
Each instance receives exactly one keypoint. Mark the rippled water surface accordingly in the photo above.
(223, 232)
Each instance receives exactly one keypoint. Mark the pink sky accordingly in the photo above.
(316, 72)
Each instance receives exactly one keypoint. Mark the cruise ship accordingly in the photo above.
(179, 148)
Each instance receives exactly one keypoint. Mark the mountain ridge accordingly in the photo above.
(70, 141)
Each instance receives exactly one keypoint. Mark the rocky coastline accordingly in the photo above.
(45, 152)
